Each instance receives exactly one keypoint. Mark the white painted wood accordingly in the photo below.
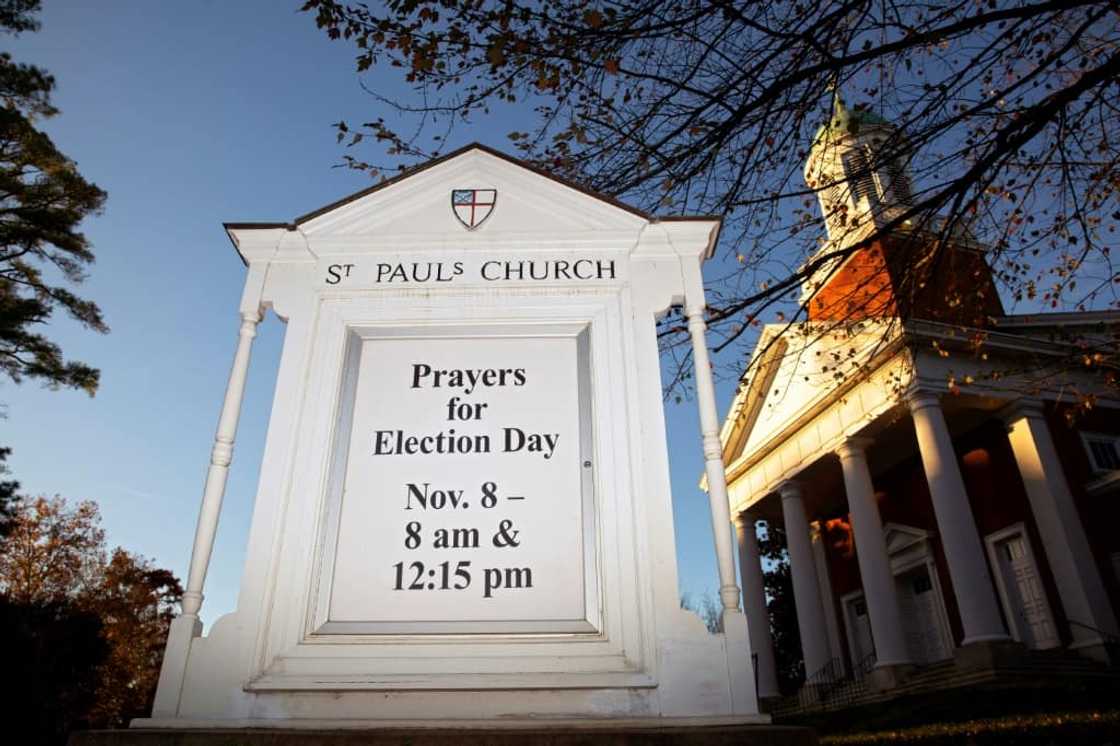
(857, 621)
(754, 606)
(741, 681)
(806, 587)
(921, 616)
(221, 456)
(871, 554)
(572, 285)
(713, 451)
(911, 556)
(188, 626)
(828, 598)
(1020, 588)
(964, 554)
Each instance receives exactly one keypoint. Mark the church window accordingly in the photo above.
(1103, 451)
(858, 170)
(900, 185)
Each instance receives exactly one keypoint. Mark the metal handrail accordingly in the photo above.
(814, 686)
(827, 687)
(827, 673)
(1108, 637)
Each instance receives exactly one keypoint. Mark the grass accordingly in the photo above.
(1099, 727)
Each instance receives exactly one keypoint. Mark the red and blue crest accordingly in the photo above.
(473, 206)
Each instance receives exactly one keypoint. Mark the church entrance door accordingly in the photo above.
(1024, 597)
(921, 615)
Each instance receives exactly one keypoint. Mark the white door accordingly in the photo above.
(1029, 610)
(859, 626)
(921, 617)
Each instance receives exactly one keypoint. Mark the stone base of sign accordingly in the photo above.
(681, 733)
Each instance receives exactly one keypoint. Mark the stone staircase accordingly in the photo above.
(1030, 670)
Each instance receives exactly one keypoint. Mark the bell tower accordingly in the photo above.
(859, 167)
(860, 180)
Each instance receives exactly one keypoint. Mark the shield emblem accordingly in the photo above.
(473, 206)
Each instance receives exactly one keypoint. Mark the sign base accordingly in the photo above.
(663, 732)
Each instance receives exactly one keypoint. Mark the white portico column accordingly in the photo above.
(806, 590)
(972, 583)
(1059, 525)
(754, 604)
(187, 625)
(871, 553)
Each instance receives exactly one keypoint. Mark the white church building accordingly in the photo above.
(940, 509)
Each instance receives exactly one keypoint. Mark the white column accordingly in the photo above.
(713, 457)
(736, 633)
(187, 625)
(806, 590)
(221, 456)
(1059, 525)
(828, 598)
(968, 569)
(871, 553)
(754, 604)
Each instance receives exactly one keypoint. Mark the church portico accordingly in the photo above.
(938, 535)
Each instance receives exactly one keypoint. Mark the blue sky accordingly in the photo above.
(188, 115)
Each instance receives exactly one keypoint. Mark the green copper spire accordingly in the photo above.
(847, 121)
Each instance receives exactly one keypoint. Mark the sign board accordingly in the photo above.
(464, 487)
(463, 513)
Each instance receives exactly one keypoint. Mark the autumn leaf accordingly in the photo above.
(495, 53)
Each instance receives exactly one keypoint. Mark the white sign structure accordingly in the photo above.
(463, 517)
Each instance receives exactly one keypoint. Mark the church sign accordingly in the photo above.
(463, 513)
(469, 462)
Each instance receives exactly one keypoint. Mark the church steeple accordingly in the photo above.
(857, 168)
(853, 164)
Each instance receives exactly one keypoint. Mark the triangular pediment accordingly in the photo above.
(526, 209)
(751, 395)
(527, 202)
(900, 538)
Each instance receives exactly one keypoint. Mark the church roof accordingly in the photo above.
(417, 203)
(475, 146)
